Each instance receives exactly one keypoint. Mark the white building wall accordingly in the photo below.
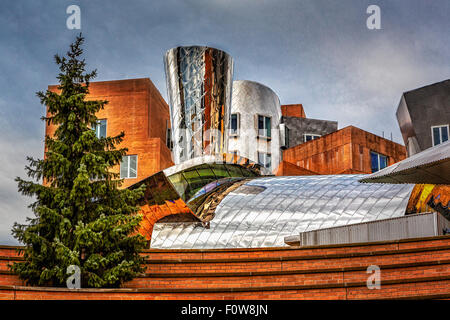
(250, 99)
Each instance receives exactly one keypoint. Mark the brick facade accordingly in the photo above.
(293, 110)
(345, 151)
(137, 108)
(411, 268)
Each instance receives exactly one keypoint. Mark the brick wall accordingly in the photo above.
(412, 268)
(293, 110)
(345, 151)
(137, 108)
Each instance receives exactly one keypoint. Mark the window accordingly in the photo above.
(234, 124)
(100, 128)
(128, 167)
(265, 159)
(169, 143)
(286, 137)
(378, 161)
(439, 134)
(264, 127)
(235, 152)
(311, 136)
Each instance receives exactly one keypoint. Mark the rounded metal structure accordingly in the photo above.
(250, 101)
(199, 81)
(263, 211)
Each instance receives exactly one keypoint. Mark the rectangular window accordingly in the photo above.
(264, 126)
(377, 161)
(128, 167)
(234, 124)
(286, 137)
(310, 136)
(100, 128)
(169, 139)
(265, 159)
(439, 134)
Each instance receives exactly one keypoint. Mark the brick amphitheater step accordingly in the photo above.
(414, 268)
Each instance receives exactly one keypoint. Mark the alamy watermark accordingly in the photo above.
(74, 280)
(373, 22)
(374, 280)
(74, 20)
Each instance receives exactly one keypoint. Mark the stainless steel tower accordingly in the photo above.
(199, 81)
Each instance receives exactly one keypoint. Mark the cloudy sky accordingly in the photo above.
(319, 53)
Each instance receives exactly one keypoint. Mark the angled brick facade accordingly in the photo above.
(137, 108)
(345, 151)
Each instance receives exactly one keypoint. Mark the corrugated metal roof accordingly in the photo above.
(431, 166)
(281, 206)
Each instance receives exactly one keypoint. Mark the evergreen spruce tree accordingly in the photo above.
(81, 216)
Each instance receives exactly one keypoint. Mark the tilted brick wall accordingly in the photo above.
(137, 108)
(345, 151)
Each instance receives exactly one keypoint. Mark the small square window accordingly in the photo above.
(264, 126)
(234, 124)
(439, 134)
(377, 161)
(100, 128)
(311, 136)
(128, 167)
(265, 159)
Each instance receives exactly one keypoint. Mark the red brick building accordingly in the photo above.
(293, 110)
(345, 151)
(137, 108)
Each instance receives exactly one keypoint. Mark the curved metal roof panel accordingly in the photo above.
(263, 211)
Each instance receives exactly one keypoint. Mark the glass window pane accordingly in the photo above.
(383, 161)
(124, 167)
(286, 137)
(206, 173)
(102, 129)
(436, 136)
(220, 171)
(260, 122)
(308, 137)
(234, 171)
(268, 127)
(261, 158)
(133, 166)
(234, 123)
(260, 126)
(191, 175)
(444, 133)
(374, 161)
(179, 183)
(268, 160)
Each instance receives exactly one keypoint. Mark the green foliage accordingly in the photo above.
(81, 216)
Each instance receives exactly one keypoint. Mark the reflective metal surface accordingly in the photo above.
(187, 192)
(407, 128)
(199, 81)
(430, 197)
(406, 227)
(263, 211)
(251, 99)
(192, 175)
(160, 200)
(421, 109)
